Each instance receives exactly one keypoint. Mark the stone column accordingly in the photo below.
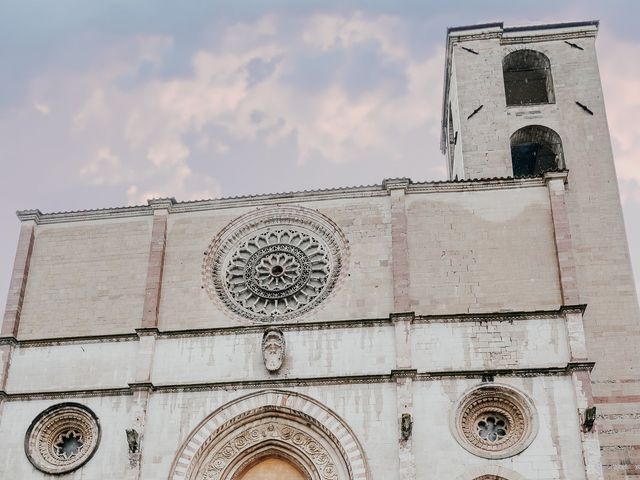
(15, 297)
(142, 387)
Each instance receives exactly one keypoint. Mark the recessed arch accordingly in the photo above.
(535, 149)
(271, 424)
(527, 78)
(490, 472)
(272, 467)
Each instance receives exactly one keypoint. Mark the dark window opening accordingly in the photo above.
(527, 78)
(534, 150)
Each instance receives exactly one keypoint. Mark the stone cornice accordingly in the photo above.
(382, 190)
(8, 340)
(317, 325)
(560, 370)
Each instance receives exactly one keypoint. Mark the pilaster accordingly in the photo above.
(15, 297)
(562, 236)
(581, 379)
(404, 375)
(397, 188)
(156, 262)
(147, 335)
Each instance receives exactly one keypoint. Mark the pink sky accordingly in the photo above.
(107, 107)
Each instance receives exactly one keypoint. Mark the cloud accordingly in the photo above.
(136, 128)
(43, 108)
(621, 84)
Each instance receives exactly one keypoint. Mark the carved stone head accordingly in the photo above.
(273, 349)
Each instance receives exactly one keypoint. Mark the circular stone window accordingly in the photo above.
(275, 264)
(62, 438)
(494, 421)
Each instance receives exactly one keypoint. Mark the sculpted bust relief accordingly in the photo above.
(273, 349)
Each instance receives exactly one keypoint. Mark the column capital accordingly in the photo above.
(396, 183)
(29, 215)
(161, 203)
(148, 332)
(557, 175)
(402, 316)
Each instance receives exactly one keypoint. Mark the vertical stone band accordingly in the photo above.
(399, 245)
(562, 236)
(155, 268)
(15, 297)
(148, 331)
(401, 319)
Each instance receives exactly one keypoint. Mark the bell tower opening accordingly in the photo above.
(527, 78)
(534, 150)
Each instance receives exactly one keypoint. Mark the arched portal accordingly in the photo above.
(268, 431)
(272, 468)
(490, 472)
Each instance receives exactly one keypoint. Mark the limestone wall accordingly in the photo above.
(86, 278)
(482, 251)
(370, 409)
(365, 293)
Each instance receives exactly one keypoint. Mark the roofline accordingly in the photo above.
(254, 201)
(498, 30)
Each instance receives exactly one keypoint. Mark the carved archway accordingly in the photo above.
(490, 472)
(272, 468)
(271, 424)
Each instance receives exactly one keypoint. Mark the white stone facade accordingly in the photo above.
(443, 289)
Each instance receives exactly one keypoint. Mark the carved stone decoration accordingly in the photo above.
(275, 264)
(406, 426)
(267, 424)
(273, 349)
(62, 438)
(494, 421)
(275, 432)
(133, 440)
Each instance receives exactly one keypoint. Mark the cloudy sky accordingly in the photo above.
(110, 103)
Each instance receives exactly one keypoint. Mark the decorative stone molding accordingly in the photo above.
(271, 422)
(273, 349)
(490, 472)
(282, 436)
(275, 264)
(494, 421)
(62, 438)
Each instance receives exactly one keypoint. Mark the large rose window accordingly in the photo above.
(275, 264)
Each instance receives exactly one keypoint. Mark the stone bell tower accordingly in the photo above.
(527, 101)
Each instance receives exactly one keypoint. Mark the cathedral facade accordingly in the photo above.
(484, 327)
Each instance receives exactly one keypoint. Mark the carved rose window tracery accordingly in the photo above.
(62, 438)
(494, 421)
(275, 264)
(69, 444)
(492, 427)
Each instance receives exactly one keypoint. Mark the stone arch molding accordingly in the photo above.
(271, 423)
(493, 472)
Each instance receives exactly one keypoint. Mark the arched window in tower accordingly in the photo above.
(534, 150)
(527, 78)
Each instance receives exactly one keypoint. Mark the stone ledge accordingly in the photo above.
(561, 370)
